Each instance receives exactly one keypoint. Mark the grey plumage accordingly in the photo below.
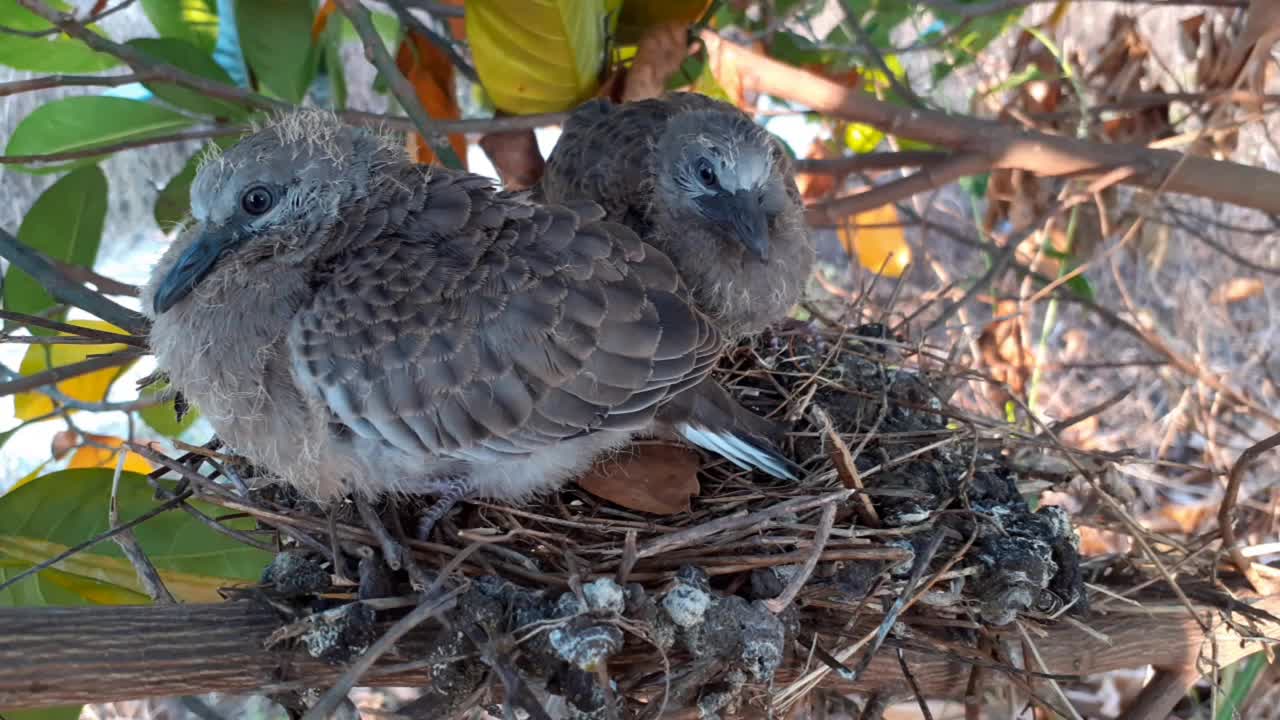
(355, 322)
(705, 184)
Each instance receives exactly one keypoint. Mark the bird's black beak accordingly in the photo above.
(194, 264)
(750, 223)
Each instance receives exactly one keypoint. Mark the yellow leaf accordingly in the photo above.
(187, 587)
(94, 454)
(91, 387)
(539, 55)
(640, 15)
(94, 591)
(876, 239)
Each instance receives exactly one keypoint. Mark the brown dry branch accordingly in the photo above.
(62, 656)
(1003, 145)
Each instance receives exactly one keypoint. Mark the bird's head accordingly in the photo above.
(273, 194)
(719, 169)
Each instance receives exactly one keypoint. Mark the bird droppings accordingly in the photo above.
(686, 605)
(338, 635)
(604, 594)
(296, 573)
(586, 644)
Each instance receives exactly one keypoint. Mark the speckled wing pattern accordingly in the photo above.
(605, 150)
(470, 324)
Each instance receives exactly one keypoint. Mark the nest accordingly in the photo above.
(909, 516)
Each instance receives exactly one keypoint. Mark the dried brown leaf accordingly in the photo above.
(515, 156)
(652, 478)
(1237, 290)
(661, 50)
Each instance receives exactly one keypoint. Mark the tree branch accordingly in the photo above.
(62, 656)
(1004, 146)
(377, 54)
(64, 289)
(58, 374)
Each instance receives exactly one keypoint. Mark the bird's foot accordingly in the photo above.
(449, 492)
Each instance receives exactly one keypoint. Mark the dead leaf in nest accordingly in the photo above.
(652, 478)
(876, 239)
(515, 156)
(1182, 519)
(1237, 290)
(661, 50)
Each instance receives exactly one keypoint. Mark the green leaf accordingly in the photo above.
(57, 588)
(387, 26)
(88, 121)
(275, 36)
(173, 202)
(197, 62)
(195, 21)
(53, 53)
(862, 138)
(65, 223)
(66, 712)
(59, 510)
(333, 66)
(163, 418)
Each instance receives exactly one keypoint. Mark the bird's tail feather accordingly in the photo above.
(742, 450)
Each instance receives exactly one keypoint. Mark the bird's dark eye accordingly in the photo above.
(257, 200)
(706, 173)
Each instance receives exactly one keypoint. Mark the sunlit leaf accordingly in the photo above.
(62, 509)
(67, 712)
(197, 62)
(876, 239)
(90, 387)
(195, 21)
(53, 53)
(539, 56)
(65, 223)
(431, 73)
(84, 122)
(275, 36)
(103, 451)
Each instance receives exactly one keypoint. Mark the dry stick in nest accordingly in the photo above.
(148, 576)
(1226, 523)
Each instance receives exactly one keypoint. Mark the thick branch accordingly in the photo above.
(60, 656)
(1005, 146)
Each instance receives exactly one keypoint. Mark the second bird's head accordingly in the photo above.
(719, 170)
(273, 194)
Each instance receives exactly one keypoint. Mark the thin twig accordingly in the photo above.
(780, 603)
(63, 289)
(85, 333)
(1227, 524)
(377, 54)
(148, 576)
(410, 20)
(58, 374)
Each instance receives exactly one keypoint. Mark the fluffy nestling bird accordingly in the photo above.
(704, 183)
(356, 322)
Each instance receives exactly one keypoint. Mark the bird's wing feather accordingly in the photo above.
(474, 325)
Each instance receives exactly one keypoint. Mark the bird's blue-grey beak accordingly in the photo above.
(194, 264)
(750, 223)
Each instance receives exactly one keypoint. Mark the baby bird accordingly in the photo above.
(355, 322)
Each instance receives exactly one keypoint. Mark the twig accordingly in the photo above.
(870, 161)
(1227, 524)
(148, 576)
(846, 468)
(952, 168)
(391, 550)
(106, 148)
(143, 63)
(409, 19)
(163, 507)
(35, 264)
(377, 54)
(93, 334)
(915, 686)
(796, 584)
(54, 30)
(58, 374)
(52, 81)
